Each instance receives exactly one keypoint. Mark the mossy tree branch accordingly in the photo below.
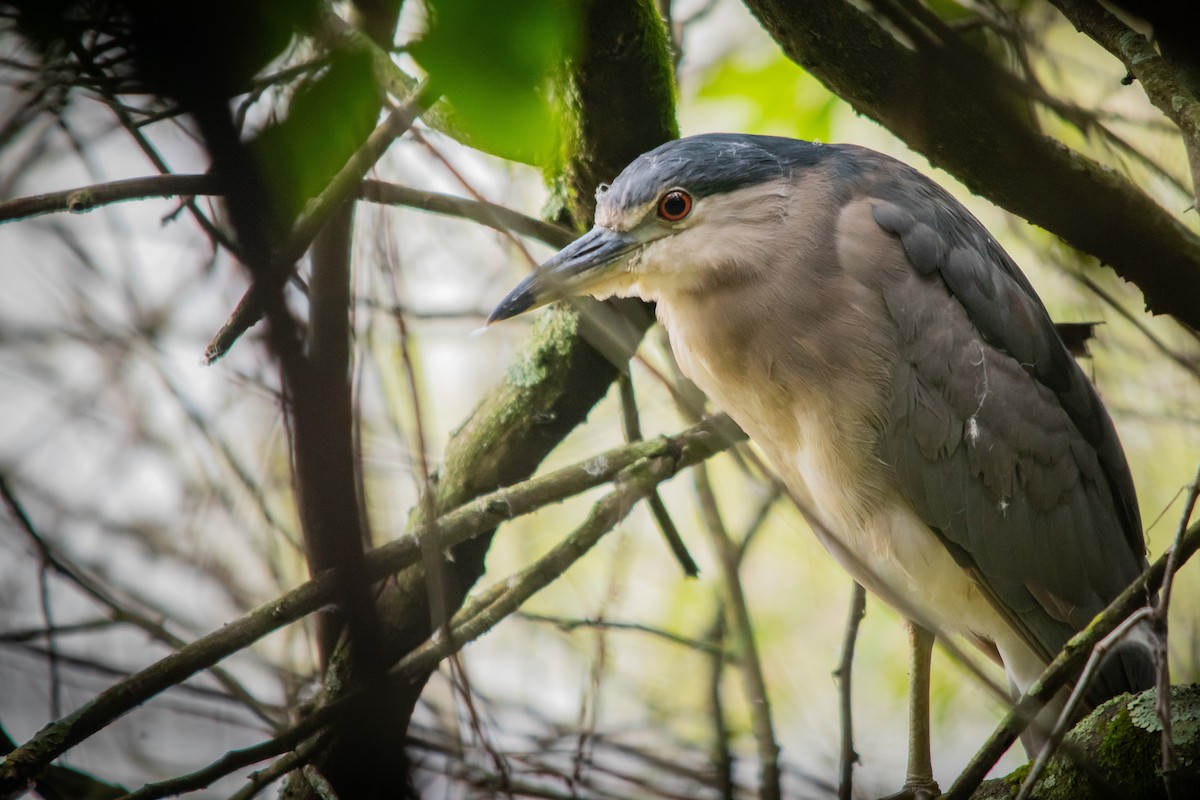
(1122, 736)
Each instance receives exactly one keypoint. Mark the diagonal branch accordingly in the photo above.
(121, 612)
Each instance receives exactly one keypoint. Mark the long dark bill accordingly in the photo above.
(571, 271)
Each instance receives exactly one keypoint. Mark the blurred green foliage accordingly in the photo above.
(329, 117)
(496, 66)
(783, 99)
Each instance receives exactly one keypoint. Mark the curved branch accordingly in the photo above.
(497, 217)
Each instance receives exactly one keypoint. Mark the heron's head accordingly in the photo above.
(685, 215)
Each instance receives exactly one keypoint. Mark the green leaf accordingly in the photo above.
(328, 118)
(495, 64)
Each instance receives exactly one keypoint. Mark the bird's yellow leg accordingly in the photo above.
(919, 783)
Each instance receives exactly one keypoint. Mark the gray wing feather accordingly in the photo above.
(996, 436)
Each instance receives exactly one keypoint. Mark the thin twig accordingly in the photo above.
(216, 236)
(722, 754)
(632, 484)
(340, 188)
(497, 217)
(760, 518)
(20, 635)
(1163, 85)
(104, 670)
(286, 763)
(92, 588)
(231, 762)
(476, 617)
(847, 757)
(632, 428)
(1186, 363)
(47, 605)
(88, 198)
(753, 679)
(567, 625)
(1161, 611)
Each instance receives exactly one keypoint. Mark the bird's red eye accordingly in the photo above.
(675, 205)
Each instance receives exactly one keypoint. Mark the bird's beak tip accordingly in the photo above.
(571, 271)
(517, 301)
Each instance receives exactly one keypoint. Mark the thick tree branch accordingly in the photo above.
(1120, 738)
(479, 614)
(324, 458)
(973, 124)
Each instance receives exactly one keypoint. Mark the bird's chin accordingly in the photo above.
(621, 284)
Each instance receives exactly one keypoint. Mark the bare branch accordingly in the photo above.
(1172, 96)
(567, 625)
(121, 611)
(633, 432)
(88, 198)
(477, 616)
(742, 628)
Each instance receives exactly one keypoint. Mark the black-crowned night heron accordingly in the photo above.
(901, 374)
